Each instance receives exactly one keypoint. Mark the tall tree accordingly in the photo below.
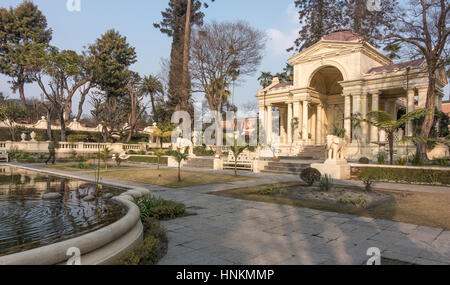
(317, 18)
(370, 23)
(21, 29)
(114, 55)
(265, 79)
(177, 23)
(152, 86)
(218, 51)
(424, 27)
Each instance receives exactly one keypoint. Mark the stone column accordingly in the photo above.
(313, 124)
(269, 123)
(297, 114)
(347, 114)
(305, 121)
(422, 97)
(356, 110)
(262, 124)
(375, 107)
(289, 123)
(319, 125)
(364, 125)
(410, 108)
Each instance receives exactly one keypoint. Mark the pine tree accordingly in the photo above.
(317, 18)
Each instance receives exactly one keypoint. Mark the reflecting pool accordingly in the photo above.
(29, 220)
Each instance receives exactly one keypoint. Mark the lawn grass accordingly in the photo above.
(425, 209)
(169, 177)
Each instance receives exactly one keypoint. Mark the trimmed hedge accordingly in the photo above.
(403, 175)
(151, 250)
(148, 159)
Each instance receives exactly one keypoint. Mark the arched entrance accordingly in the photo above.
(326, 113)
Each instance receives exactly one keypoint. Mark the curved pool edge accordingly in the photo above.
(103, 246)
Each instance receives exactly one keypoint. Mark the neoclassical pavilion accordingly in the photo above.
(339, 76)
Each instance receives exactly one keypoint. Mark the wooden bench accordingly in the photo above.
(4, 156)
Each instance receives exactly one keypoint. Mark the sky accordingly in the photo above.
(134, 19)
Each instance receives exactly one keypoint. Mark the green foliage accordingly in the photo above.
(405, 175)
(339, 132)
(77, 137)
(131, 152)
(272, 191)
(159, 153)
(364, 160)
(114, 56)
(310, 175)
(416, 160)
(180, 157)
(440, 162)
(402, 161)
(326, 183)
(381, 159)
(203, 151)
(160, 209)
(141, 152)
(83, 165)
(151, 250)
(148, 159)
(355, 202)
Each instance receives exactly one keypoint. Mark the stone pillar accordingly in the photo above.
(262, 124)
(313, 124)
(305, 121)
(422, 97)
(438, 101)
(410, 108)
(375, 107)
(289, 123)
(364, 125)
(319, 125)
(347, 115)
(356, 110)
(282, 122)
(297, 114)
(269, 123)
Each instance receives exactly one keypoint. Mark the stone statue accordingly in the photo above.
(441, 151)
(335, 148)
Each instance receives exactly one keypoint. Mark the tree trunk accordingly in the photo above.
(391, 148)
(22, 94)
(235, 166)
(80, 105)
(63, 126)
(429, 119)
(152, 99)
(187, 38)
(68, 110)
(49, 125)
(179, 171)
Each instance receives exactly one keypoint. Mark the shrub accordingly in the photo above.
(151, 250)
(141, 152)
(381, 159)
(326, 183)
(152, 207)
(416, 160)
(402, 161)
(310, 175)
(272, 191)
(131, 152)
(202, 151)
(364, 160)
(402, 175)
(148, 159)
(77, 138)
(440, 162)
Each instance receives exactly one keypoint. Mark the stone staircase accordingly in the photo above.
(200, 162)
(284, 167)
(313, 152)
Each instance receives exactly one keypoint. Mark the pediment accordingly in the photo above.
(324, 49)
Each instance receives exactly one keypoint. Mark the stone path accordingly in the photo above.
(228, 231)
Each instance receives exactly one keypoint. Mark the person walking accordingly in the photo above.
(52, 152)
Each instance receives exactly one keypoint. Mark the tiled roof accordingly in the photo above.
(282, 85)
(402, 65)
(342, 35)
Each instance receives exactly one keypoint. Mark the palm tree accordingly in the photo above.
(159, 153)
(105, 155)
(265, 79)
(385, 122)
(180, 157)
(152, 86)
(237, 150)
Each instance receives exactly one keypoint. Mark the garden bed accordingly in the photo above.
(403, 174)
(424, 209)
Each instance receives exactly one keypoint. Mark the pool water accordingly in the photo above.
(28, 221)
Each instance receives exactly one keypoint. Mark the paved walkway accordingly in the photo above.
(230, 231)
